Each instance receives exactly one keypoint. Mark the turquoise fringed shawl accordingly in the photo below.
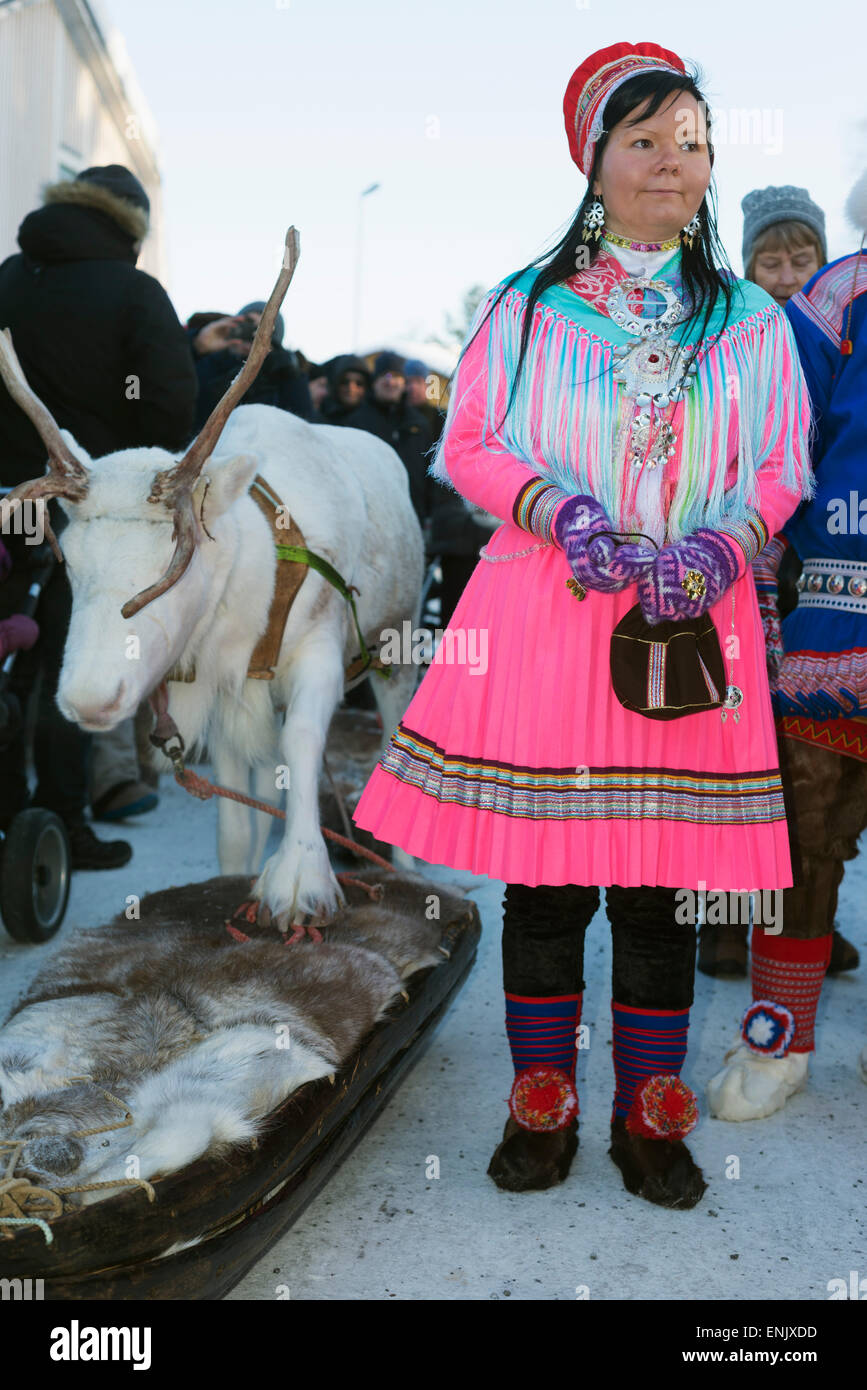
(570, 420)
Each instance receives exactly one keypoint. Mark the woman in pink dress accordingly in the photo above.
(636, 417)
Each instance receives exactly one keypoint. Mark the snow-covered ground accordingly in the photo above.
(384, 1227)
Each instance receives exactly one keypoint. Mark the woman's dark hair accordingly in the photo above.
(705, 268)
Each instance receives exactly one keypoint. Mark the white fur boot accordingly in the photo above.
(751, 1086)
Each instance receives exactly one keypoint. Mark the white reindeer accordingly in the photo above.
(347, 490)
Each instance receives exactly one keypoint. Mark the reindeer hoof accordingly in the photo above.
(299, 929)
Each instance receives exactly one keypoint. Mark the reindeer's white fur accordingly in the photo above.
(348, 492)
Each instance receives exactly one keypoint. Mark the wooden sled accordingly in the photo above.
(213, 1220)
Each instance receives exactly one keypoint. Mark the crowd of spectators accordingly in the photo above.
(85, 323)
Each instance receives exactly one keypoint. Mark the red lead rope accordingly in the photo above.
(166, 729)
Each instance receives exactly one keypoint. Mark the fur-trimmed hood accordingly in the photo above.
(132, 220)
(856, 204)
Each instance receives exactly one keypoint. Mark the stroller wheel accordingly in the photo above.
(34, 875)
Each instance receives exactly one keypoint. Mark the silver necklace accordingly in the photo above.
(651, 371)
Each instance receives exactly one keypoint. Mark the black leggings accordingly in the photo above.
(543, 943)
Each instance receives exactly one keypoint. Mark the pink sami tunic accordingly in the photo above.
(515, 759)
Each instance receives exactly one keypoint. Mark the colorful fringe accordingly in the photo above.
(542, 1031)
(647, 1042)
(570, 419)
(789, 972)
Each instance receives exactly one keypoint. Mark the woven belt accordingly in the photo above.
(835, 584)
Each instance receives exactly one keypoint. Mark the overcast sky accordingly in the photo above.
(279, 111)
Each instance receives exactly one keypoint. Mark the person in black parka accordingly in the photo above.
(348, 382)
(385, 412)
(218, 356)
(99, 341)
(101, 345)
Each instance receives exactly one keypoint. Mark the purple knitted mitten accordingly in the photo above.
(688, 577)
(597, 561)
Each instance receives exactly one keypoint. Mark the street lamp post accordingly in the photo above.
(359, 239)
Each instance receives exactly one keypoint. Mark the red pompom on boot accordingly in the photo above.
(648, 1146)
(663, 1107)
(543, 1099)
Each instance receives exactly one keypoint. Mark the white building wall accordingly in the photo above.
(63, 107)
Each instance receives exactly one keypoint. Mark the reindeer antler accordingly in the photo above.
(67, 476)
(174, 486)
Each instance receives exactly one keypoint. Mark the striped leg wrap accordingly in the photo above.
(647, 1042)
(542, 1038)
(542, 1031)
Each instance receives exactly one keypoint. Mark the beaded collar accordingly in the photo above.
(627, 245)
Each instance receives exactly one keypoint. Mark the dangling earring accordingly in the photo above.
(691, 232)
(594, 217)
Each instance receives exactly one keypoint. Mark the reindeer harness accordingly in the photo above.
(293, 561)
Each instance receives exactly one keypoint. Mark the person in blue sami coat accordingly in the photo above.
(818, 659)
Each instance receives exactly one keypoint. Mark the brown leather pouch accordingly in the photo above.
(667, 670)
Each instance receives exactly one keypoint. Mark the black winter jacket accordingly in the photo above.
(98, 340)
(279, 382)
(409, 434)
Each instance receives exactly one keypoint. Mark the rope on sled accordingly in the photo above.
(31, 1221)
(22, 1203)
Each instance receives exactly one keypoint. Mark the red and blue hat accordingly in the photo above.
(593, 83)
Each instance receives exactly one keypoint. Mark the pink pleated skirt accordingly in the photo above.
(515, 759)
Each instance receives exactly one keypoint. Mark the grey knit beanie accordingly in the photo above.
(258, 306)
(765, 206)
